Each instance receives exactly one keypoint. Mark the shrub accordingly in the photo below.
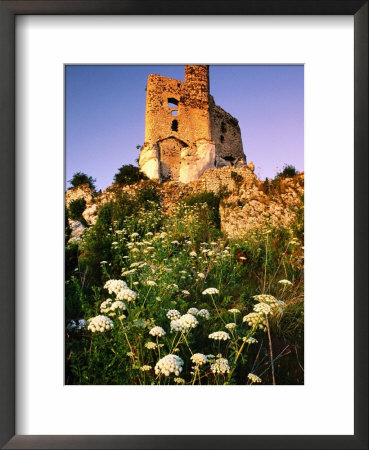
(80, 178)
(76, 208)
(288, 171)
(128, 174)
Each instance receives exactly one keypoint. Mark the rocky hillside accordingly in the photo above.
(247, 202)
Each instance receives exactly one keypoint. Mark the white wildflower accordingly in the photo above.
(193, 311)
(82, 323)
(255, 319)
(250, 340)
(263, 308)
(157, 331)
(230, 326)
(234, 311)
(145, 368)
(199, 359)
(184, 323)
(285, 282)
(105, 305)
(219, 336)
(173, 314)
(128, 272)
(127, 294)
(254, 378)
(178, 380)
(185, 292)
(115, 286)
(201, 275)
(100, 323)
(150, 283)
(169, 364)
(193, 254)
(150, 345)
(210, 291)
(220, 366)
(204, 313)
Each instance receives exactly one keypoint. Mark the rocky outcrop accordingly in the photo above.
(247, 202)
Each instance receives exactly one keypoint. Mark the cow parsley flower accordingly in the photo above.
(220, 366)
(262, 308)
(193, 311)
(145, 368)
(173, 314)
(210, 291)
(285, 282)
(234, 311)
(157, 331)
(204, 313)
(185, 292)
(255, 319)
(219, 336)
(150, 283)
(127, 294)
(199, 359)
(184, 323)
(193, 254)
(254, 378)
(201, 275)
(128, 272)
(150, 345)
(115, 286)
(230, 326)
(100, 323)
(250, 340)
(82, 323)
(169, 364)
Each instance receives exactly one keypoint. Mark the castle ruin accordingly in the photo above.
(185, 131)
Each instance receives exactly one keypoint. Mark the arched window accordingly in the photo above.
(172, 102)
(223, 127)
(175, 125)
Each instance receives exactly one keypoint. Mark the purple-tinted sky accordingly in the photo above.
(105, 115)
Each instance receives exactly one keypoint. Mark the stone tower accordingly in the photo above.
(186, 133)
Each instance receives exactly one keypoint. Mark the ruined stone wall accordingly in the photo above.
(226, 134)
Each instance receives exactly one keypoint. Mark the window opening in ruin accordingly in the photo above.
(221, 138)
(174, 112)
(172, 102)
(223, 127)
(229, 158)
(175, 125)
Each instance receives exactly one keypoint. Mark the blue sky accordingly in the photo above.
(105, 114)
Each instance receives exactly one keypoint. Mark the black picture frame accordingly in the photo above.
(8, 11)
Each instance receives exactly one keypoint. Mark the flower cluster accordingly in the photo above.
(157, 331)
(285, 282)
(255, 319)
(121, 290)
(199, 359)
(150, 345)
(204, 313)
(109, 306)
(220, 366)
(184, 323)
(250, 340)
(100, 323)
(145, 368)
(230, 326)
(127, 294)
(173, 314)
(276, 305)
(219, 336)
(169, 364)
(254, 378)
(234, 311)
(210, 291)
(193, 311)
(263, 308)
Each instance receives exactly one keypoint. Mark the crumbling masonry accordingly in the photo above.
(186, 132)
